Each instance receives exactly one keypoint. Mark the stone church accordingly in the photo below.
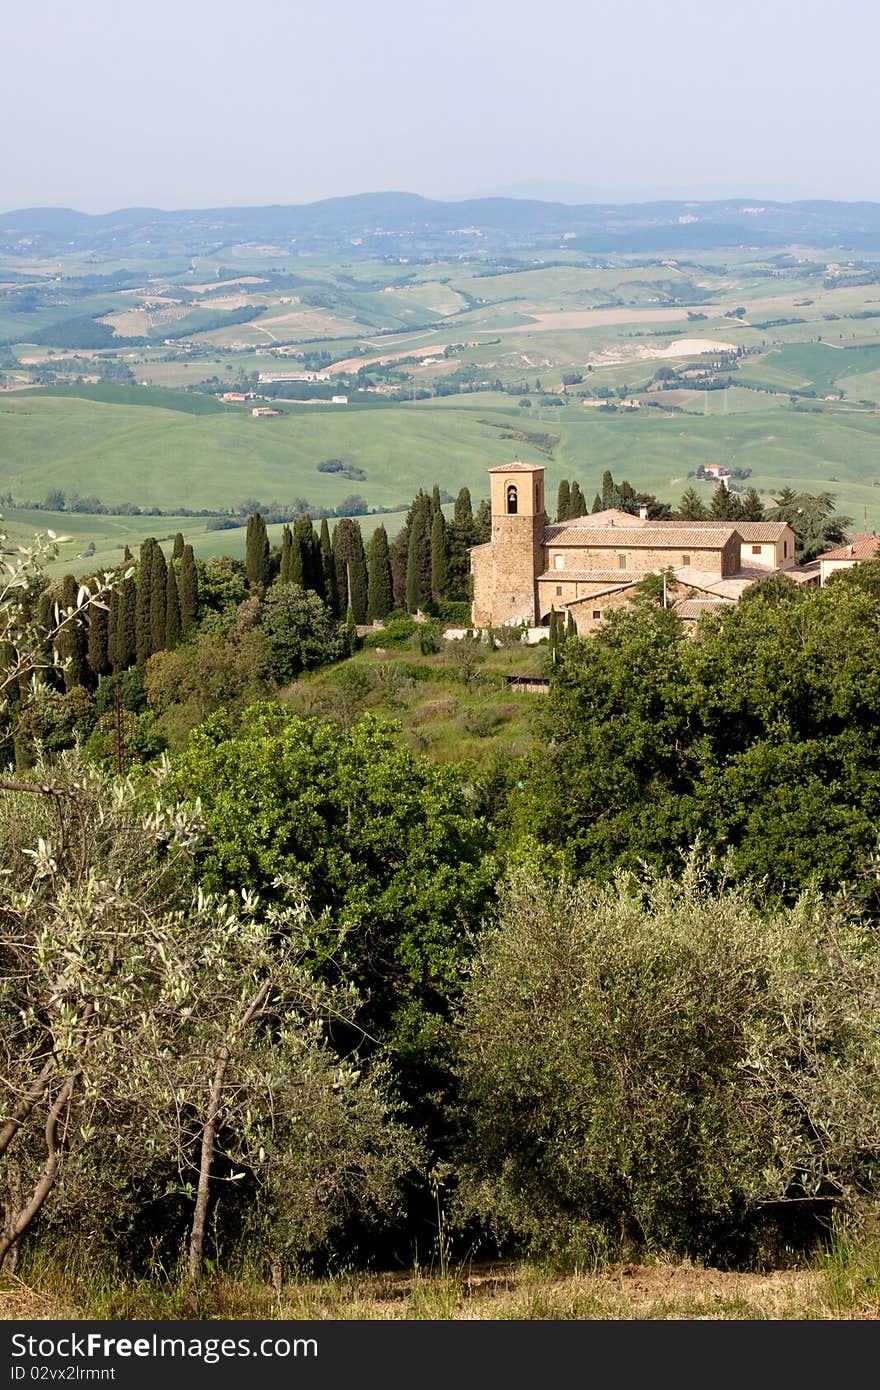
(591, 564)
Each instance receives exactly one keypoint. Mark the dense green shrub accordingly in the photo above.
(646, 1060)
(396, 634)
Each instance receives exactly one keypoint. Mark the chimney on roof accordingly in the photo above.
(852, 550)
(643, 512)
(611, 521)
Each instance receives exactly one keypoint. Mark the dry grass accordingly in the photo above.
(498, 1291)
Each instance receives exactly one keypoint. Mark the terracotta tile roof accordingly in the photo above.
(692, 608)
(767, 531)
(751, 531)
(517, 467)
(856, 548)
(621, 577)
(715, 585)
(650, 535)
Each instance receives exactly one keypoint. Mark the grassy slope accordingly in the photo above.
(162, 457)
(156, 456)
(443, 715)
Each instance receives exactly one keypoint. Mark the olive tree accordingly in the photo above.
(148, 1028)
(654, 1061)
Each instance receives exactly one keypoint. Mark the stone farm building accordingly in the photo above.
(591, 564)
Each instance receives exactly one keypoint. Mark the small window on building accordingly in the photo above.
(756, 550)
(511, 500)
(621, 562)
(685, 559)
(560, 562)
(785, 550)
(597, 612)
(559, 588)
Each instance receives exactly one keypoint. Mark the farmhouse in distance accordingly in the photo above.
(589, 565)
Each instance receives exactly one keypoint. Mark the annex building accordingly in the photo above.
(591, 564)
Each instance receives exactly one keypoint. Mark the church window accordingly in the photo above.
(685, 559)
(559, 588)
(621, 562)
(560, 562)
(511, 500)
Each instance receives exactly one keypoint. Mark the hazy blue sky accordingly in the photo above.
(190, 103)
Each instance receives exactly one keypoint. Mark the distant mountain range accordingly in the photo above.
(405, 224)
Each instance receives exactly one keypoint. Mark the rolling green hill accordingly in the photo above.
(155, 456)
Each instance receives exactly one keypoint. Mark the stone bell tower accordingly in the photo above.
(506, 569)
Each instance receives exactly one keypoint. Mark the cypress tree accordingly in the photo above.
(113, 628)
(464, 512)
(72, 637)
(418, 559)
(304, 553)
(597, 503)
(438, 557)
(359, 577)
(399, 551)
(295, 560)
(144, 643)
(126, 631)
(189, 591)
(460, 536)
(563, 500)
(127, 556)
(257, 551)
(177, 552)
(98, 642)
(286, 547)
(483, 522)
(570, 626)
(380, 592)
(172, 610)
(351, 632)
(608, 489)
(351, 568)
(158, 599)
(435, 500)
(578, 505)
(315, 564)
(413, 582)
(328, 568)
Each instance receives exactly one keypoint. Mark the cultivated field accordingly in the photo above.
(802, 411)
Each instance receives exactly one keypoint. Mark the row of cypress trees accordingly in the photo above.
(147, 613)
(157, 607)
(427, 561)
